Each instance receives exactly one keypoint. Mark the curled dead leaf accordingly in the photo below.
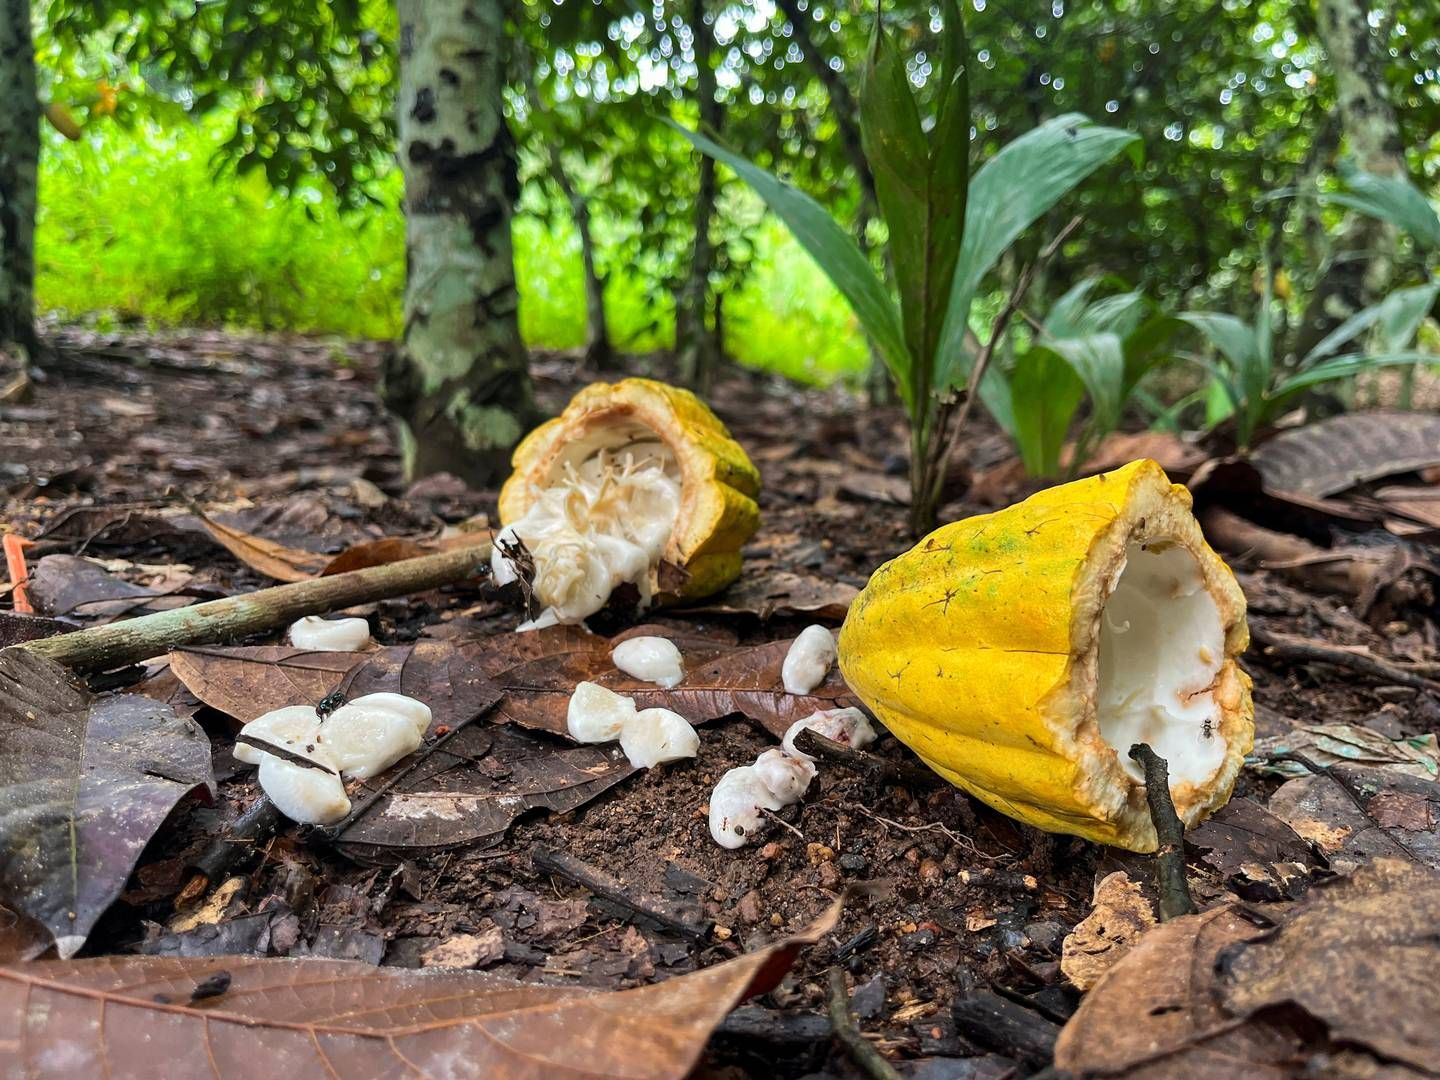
(1120, 917)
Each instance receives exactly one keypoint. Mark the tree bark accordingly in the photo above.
(599, 353)
(1357, 266)
(458, 383)
(695, 345)
(19, 159)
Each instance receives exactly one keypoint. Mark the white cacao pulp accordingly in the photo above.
(649, 737)
(359, 740)
(330, 635)
(604, 522)
(776, 779)
(849, 726)
(808, 661)
(654, 659)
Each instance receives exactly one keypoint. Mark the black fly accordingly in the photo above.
(330, 703)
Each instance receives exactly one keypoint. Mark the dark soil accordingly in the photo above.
(961, 898)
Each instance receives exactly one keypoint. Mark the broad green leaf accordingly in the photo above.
(1392, 199)
(834, 251)
(1398, 315)
(1220, 402)
(998, 399)
(1342, 367)
(1146, 345)
(1099, 360)
(1063, 319)
(1119, 314)
(1237, 342)
(1045, 392)
(899, 157)
(1019, 184)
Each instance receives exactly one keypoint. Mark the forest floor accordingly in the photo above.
(286, 435)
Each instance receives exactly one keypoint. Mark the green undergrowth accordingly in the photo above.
(136, 226)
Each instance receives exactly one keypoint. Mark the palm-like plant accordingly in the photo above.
(947, 230)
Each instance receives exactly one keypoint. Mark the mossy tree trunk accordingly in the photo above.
(1359, 262)
(19, 156)
(458, 383)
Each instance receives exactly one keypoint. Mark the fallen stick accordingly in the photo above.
(862, 1052)
(129, 642)
(600, 883)
(1170, 856)
(1305, 651)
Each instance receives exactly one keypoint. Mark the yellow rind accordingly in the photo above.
(977, 648)
(718, 511)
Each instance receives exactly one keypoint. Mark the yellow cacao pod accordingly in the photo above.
(718, 483)
(1020, 654)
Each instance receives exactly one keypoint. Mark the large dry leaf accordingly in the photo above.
(395, 549)
(1345, 450)
(1257, 856)
(472, 787)
(298, 1018)
(1361, 957)
(84, 784)
(767, 594)
(246, 682)
(266, 556)
(79, 588)
(1155, 1014)
(744, 680)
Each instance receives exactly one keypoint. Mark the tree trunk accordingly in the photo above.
(1357, 266)
(458, 384)
(19, 158)
(599, 353)
(695, 346)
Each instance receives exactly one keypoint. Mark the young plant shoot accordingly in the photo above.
(947, 230)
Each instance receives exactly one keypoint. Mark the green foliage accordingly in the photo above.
(1098, 349)
(1392, 199)
(946, 232)
(1250, 388)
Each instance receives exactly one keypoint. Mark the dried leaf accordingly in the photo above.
(1336, 744)
(1354, 814)
(1120, 917)
(1342, 451)
(396, 548)
(1360, 957)
(76, 587)
(123, 1015)
(246, 682)
(472, 788)
(766, 595)
(1257, 855)
(84, 784)
(743, 680)
(1154, 1015)
(16, 627)
(265, 556)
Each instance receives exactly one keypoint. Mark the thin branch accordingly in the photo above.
(862, 1052)
(1170, 856)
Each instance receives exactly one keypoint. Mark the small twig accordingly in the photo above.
(283, 754)
(255, 824)
(932, 826)
(564, 865)
(870, 1061)
(813, 743)
(1170, 856)
(1304, 651)
(782, 822)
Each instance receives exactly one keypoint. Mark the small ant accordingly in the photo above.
(1208, 728)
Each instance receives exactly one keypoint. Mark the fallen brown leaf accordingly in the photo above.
(1155, 1015)
(128, 1015)
(1327, 457)
(1361, 958)
(266, 556)
(1121, 915)
(84, 784)
(781, 592)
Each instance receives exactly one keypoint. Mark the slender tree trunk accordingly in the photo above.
(1357, 266)
(695, 346)
(599, 353)
(458, 384)
(19, 158)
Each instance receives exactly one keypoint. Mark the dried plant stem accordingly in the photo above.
(1170, 856)
(118, 644)
(870, 1061)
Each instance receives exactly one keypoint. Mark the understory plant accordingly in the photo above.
(1250, 387)
(946, 229)
(1098, 349)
